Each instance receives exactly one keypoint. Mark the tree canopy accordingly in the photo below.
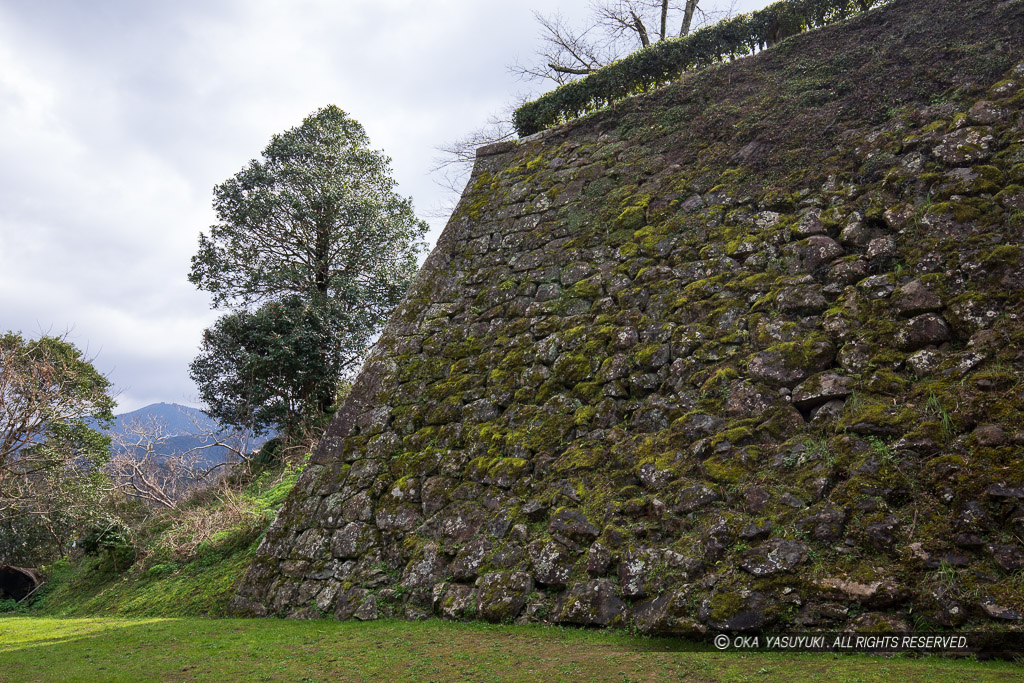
(312, 250)
(275, 367)
(51, 482)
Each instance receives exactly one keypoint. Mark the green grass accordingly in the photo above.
(189, 562)
(45, 649)
(204, 586)
(149, 629)
(64, 638)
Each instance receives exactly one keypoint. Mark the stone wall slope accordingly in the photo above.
(743, 352)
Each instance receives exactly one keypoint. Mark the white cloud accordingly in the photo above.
(118, 117)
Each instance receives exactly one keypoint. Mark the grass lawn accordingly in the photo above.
(90, 649)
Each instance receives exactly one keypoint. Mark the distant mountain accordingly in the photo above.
(175, 419)
(181, 429)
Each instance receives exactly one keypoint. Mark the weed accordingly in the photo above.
(884, 451)
(13, 607)
(187, 560)
(946, 575)
(933, 406)
(854, 402)
(202, 525)
(819, 448)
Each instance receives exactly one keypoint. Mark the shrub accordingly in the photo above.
(667, 59)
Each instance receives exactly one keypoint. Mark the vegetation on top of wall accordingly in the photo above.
(666, 60)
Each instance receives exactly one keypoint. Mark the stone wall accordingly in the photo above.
(745, 351)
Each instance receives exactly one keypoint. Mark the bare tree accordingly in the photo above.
(567, 53)
(455, 159)
(616, 28)
(688, 10)
(147, 465)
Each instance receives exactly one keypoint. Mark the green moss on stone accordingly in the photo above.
(572, 368)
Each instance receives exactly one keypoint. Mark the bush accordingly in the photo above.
(667, 59)
(13, 606)
(269, 454)
(112, 544)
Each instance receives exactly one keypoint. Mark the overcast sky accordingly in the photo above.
(117, 118)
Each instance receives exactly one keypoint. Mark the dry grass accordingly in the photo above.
(224, 510)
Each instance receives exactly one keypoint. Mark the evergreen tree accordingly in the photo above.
(312, 250)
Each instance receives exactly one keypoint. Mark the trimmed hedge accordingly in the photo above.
(667, 59)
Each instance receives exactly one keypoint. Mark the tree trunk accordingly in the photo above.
(691, 6)
(641, 30)
(664, 20)
(321, 259)
(568, 69)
